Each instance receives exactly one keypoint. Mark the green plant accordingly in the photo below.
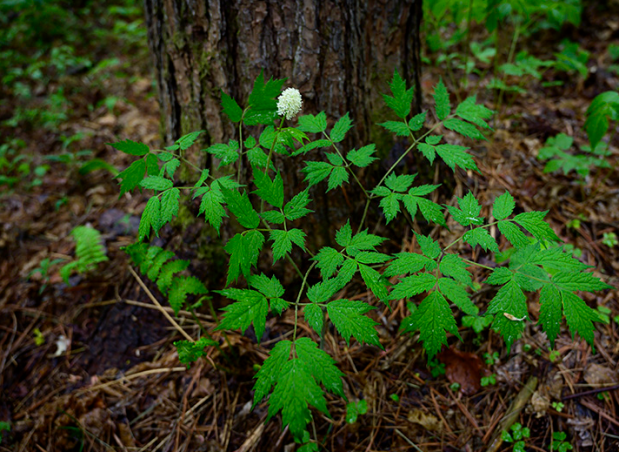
(559, 442)
(558, 406)
(355, 409)
(293, 373)
(38, 337)
(554, 356)
(610, 239)
(89, 251)
(4, 427)
(455, 386)
(436, 367)
(395, 397)
(555, 152)
(488, 381)
(43, 271)
(491, 359)
(517, 435)
(603, 108)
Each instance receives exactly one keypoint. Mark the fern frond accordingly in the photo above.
(89, 251)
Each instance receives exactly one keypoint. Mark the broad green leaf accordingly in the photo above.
(268, 374)
(152, 165)
(313, 124)
(390, 205)
(322, 292)
(452, 265)
(271, 191)
(181, 286)
(316, 172)
(579, 316)
(273, 216)
(346, 273)
(204, 175)
(464, 128)
(550, 311)
(262, 103)
(455, 155)
(534, 224)
(164, 281)
(557, 259)
(481, 237)
(258, 158)
(430, 211)
(468, 212)
(189, 351)
(406, 263)
(151, 218)
(429, 247)
(399, 183)
(513, 233)
(269, 287)
(401, 102)
(211, 206)
(313, 315)
(343, 235)
(417, 121)
(328, 261)
(503, 206)
(531, 277)
(186, 141)
(156, 183)
(338, 176)
(472, 112)
(427, 151)
(334, 158)
(296, 207)
(231, 108)
(573, 281)
(434, 319)
(442, 101)
(341, 128)
(422, 190)
(130, 147)
(169, 204)
(374, 281)
(283, 241)
(320, 365)
(244, 251)
(401, 129)
(349, 319)
(362, 241)
(363, 156)
(131, 176)
(510, 307)
(251, 308)
(370, 257)
(499, 276)
(457, 295)
(413, 285)
(313, 145)
(240, 206)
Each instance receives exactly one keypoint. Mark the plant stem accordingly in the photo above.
(301, 290)
(346, 165)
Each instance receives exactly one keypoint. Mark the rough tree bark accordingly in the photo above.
(339, 54)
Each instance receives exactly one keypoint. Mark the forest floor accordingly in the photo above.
(90, 365)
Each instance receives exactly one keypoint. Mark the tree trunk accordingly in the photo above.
(339, 54)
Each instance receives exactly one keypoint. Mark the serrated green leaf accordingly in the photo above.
(401, 129)
(463, 128)
(349, 319)
(316, 172)
(313, 145)
(534, 224)
(455, 155)
(500, 276)
(430, 211)
(579, 316)
(227, 153)
(283, 241)
(180, 287)
(131, 176)
(240, 206)
(374, 281)
(169, 205)
(468, 212)
(442, 101)
(334, 158)
(573, 281)
(390, 205)
(263, 106)
(313, 315)
(251, 308)
(399, 183)
(406, 263)
(268, 190)
(278, 305)
(155, 265)
(190, 351)
(186, 141)
(531, 277)
(433, 139)
(457, 295)
(259, 159)
(472, 112)
(152, 165)
(370, 257)
(510, 307)
(313, 124)
(269, 287)
(338, 176)
(423, 190)
(413, 285)
(204, 175)
(550, 311)
(401, 102)
(164, 281)
(417, 121)
(211, 206)
(341, 128)
(513, 233)
(231, 108)
(346, 273)
(427, 151)
(322, 292)
(268, 374)
(273, 216)
(429, 247)
(296, 207)
(503, 206)
(557, 259)
(344, 234)
(131, 147)
(363, 156)
(452, 265)
(156, 183)
(151, 218)
(328, 261)
(244, 251)
(320, 365)
(169, 168)
(434, 319)
(481, 237)
(363, 241)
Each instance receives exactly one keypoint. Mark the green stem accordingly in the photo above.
(346, 165)
(301, 291)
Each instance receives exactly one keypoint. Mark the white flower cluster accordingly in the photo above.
(289, 103)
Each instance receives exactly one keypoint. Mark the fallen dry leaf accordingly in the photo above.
(426, 420)
(462, 368)
(598, 376)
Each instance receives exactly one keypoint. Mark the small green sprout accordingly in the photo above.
(517, 435)
(558, 406)
(355, 409)
(558, 442)
(395, 397)
(493, 358)
(488, 381)
(610, 239)
(455, 387)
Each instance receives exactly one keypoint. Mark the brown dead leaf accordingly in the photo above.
(462, 368)
(598, 376)
(426, 420)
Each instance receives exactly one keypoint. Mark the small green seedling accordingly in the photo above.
(558, 406)
(559, 442)
(395, 397)
(455, 387)
(491, 359)
(604, 313)
(488, 381)
(610, 239)
(554, 356)
(355, 409)
(436, 367)
(518, 434)
(4, 427)
(38, 337)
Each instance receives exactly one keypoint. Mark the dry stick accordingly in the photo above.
(513, 412)
(127, 378)
(594, 391)
(160, 307)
